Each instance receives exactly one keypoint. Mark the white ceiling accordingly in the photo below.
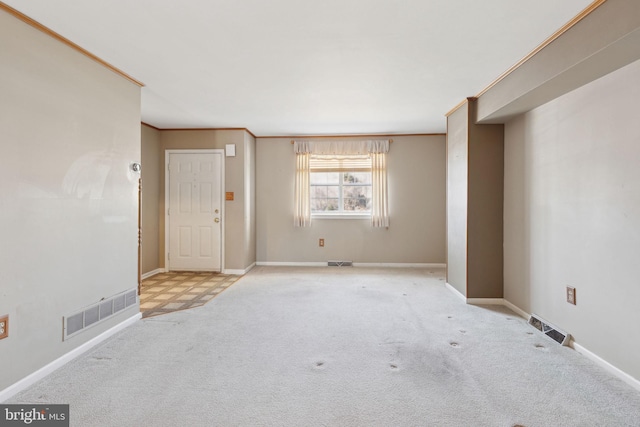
(296, 67)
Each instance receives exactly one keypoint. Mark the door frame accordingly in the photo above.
(167, 154)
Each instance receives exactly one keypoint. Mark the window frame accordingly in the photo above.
(342, 165)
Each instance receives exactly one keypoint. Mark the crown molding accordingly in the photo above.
(566, 27)
(376, 135)
(38, 26)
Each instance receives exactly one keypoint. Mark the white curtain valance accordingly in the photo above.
(342, 147)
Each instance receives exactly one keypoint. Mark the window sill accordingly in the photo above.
(340, 216)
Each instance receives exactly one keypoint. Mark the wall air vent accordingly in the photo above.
(96, 313)
(549, 330)
(339, 263)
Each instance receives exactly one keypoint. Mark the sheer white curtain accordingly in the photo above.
(377, 149)
(302, 200)
(379, 197)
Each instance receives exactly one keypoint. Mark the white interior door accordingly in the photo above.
(195, 211)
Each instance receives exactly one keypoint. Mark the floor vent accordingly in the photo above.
(339, 263)
(96, 313)
(549, 330)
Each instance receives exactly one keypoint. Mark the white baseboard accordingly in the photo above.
(291, 264)
(498, 301)
(516, 309)
(398, 265)
(239, 272)
(488, 301)
(485, 301)
(153, 273)
(455, 292)
(31, 379)
(355, 264)
(633, 382)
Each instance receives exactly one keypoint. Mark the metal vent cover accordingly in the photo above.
(340, 263)
(118, 303)
(106, 309)
(97, 312)
(74, 323)
(91, 315)
(549, 330)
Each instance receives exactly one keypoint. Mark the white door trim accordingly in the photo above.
(166, 200)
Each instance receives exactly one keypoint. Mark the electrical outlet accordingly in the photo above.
(321, 243)
(571, 295)
(4, 327)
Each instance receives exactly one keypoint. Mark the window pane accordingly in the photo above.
(357, 204)
(324, 178)
(318, 191)
(322, 205)
(323, 191)
(354, 191)
(357, 177)
(333, 191)
(318, 178)
(340, 192)
(356, 197)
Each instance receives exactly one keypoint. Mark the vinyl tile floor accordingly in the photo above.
(181, 290)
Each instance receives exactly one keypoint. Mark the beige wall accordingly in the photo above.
(485, 207)
(150, 203)
(475, 164)
(416, 176)
(457, 190)
(238, 213)
(250, 200)
(68, 198)
(572, 214)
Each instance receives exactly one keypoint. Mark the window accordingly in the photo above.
(340, 184)
(341, 178)
(341, 192)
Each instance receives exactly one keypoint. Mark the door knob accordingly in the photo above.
(217, 220)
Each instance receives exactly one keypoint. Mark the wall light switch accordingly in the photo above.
(571, 295)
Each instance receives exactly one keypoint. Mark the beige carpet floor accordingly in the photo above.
(340, 347)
